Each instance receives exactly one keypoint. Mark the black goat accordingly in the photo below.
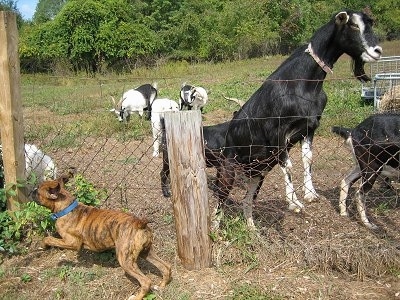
(214, 141)
(375, 145)
(287, 108)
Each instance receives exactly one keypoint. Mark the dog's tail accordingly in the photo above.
(342, 131)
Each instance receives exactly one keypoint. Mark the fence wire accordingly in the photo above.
(75, 128)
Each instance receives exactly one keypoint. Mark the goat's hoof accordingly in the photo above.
(229, 202)
(311, 197)
(296, 208)
(166, 194)
(251, 226)
(371, 226)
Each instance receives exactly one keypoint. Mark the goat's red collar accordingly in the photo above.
(323, 65)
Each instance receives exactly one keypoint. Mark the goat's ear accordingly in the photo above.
(71, 172)
(341, 18)
(65, 178)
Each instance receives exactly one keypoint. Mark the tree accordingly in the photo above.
(389, 17)
(46, 10)
(10, 5)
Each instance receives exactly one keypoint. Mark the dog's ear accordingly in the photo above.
(54, 191)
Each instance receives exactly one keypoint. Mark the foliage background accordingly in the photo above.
(120, 35)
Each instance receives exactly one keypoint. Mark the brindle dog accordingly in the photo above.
(81, 226)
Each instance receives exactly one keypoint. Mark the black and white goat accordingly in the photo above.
(159, 107)
(192, 97)
(37, 163)
(287, 108)
(135, 100)
(375, 145)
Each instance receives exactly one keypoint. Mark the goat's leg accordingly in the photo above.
(224, 184)
(253, 187)
(345, 185)
(226, 178)
(164, 173)
(306, 154)
(367, 182)
(291, 197)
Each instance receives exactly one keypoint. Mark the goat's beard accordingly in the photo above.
(358, 70)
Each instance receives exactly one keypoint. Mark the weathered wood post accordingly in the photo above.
(11, 116)
(189, 188)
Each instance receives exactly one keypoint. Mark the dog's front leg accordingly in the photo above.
(73, 243)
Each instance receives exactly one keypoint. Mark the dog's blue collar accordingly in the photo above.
(65, 211)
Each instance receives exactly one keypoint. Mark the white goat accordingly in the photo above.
(39, 163)
(199, 98)
(159, 107)
(135, 100)
(36, 162)
(192, 97)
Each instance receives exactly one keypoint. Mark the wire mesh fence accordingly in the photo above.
(73, 125)
(78, 131)
(70, 121)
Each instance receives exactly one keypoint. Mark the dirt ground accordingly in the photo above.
(312, 255)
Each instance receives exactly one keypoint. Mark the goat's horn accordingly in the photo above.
(113, 100)
(238, 101)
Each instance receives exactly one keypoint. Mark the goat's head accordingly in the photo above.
(198, 93)
(355, 37)
(119, 110)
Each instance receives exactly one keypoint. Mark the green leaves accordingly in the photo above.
(95, 33)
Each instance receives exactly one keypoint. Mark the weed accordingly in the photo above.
(382, 208)
(393, 271)
(235, 231)
(31, 219)
(168, 219)
(250, 292)
(86, 193)
(26, 278)
(150, 296)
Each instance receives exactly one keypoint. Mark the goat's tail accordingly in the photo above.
(342, 131)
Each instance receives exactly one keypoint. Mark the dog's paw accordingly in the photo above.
(43, 246)
(156, 287)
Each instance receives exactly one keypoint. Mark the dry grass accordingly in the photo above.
(390, 99)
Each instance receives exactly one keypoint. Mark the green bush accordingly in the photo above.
(86, 193)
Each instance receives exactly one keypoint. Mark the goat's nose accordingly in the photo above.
(378, 50)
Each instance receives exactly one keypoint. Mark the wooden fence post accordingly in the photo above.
(11, 116)
(189, 188)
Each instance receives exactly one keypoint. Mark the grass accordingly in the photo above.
(81, 104)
